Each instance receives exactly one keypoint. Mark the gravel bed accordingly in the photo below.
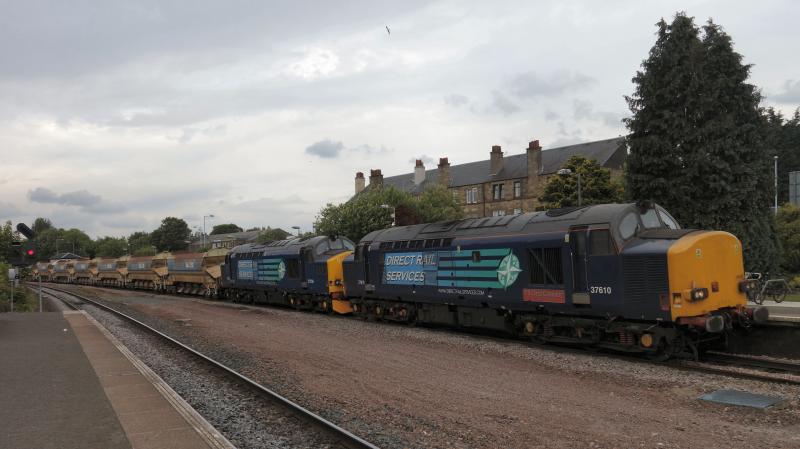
(247, 420)
(399, 386)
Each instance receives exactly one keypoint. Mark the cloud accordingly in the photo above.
(326, 149)
(455, 100)
(503, 103)
(315, 63)
(369, 149)
(86, 201)
(427, 160)
(530, 84)
(8, 210)
(790, 94)
(584, 110)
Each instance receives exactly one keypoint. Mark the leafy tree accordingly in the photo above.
(783, 140)
(271, 234)
(140, 241)
(372, 209)
(41, 224)
(7, 235)
(787, 224)
(172, 235)
(597, 186)
(225, 229)
(111, 246)
(149, 250)
(53, 241)
(696, 137)
(436, 204)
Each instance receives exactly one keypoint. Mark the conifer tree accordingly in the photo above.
(697, 137)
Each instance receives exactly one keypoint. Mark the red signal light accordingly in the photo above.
(31, 252)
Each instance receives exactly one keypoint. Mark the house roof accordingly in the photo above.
(246, 236)
(515, 166)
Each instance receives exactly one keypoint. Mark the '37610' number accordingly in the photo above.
(600, 290)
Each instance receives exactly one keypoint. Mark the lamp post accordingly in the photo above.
(204, 227)
(776, 185)
(566, 171)
(386, 206)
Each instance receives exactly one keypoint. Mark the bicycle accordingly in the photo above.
(769, 289)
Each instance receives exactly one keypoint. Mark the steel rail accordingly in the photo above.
(739, 360)
(342, 435)
(702, 366)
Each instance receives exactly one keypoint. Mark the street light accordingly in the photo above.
(566, 171)
(776, 185)
(386, 206)
(204, 227)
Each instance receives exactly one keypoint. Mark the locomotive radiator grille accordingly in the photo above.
(645, 278)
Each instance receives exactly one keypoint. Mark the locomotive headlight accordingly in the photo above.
(747, 285)
(699, 294)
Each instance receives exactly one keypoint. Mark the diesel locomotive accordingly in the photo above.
(622, 276)
(619, 276)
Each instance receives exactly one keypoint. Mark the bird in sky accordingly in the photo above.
(388, 30)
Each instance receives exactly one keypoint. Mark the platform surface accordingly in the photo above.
(50, 396)
(65, 384)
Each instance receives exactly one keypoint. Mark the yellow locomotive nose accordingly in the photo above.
(706, 269)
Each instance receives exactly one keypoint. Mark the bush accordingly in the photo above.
(24, 300)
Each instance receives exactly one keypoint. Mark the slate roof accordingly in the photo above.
(246, 236)
(605, 152)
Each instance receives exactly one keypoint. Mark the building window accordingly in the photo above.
(498, 213)
(455, 196)
(497, 191)
(472, 195)
(517, 189)
(517, 211)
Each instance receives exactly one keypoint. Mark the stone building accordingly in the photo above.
(500, 185)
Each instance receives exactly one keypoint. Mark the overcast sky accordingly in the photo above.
(115, 114)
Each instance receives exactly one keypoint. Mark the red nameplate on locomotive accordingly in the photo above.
(543, 295)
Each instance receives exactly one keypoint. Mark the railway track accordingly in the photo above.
(339, 434)
(716, 363)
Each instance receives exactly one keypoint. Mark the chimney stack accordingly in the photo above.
(496, 157)
(419, 172)
(376, 178)
(360, 182)
(534, 156)
(444, 171)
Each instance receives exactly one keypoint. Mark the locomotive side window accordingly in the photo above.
(600, 243)
(546, 267)
(627, 227)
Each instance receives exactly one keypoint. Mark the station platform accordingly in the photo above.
(786, 312)
(66, 382)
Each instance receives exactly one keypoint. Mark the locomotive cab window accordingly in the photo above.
(628, 225)
(650, 219)
(668, 220)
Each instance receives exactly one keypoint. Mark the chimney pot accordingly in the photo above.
(360, 182)
(534, 145)
(419, 172)
(444, 172)
(495, 160)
